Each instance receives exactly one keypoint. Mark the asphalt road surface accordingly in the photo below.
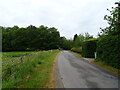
(74, 72)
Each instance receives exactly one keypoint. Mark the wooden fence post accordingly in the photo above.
(21, 59)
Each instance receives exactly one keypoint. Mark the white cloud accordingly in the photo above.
(69, 16)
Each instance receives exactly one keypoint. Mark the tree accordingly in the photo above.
(30, 38)
(75, 36)
(109, 42)
(113, 21)
(88, 36)
(78, 40)
(66, 43)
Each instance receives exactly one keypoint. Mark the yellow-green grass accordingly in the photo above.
(107, 67)
(76, 54)
(33, 73)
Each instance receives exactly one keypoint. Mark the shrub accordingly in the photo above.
(77, 49)
(89, 47)
(108, 50)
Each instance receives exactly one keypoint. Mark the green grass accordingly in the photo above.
(13, 55)
(107, 67)
(33, 73)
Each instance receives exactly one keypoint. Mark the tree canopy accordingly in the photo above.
(113, 20)
(30, 38)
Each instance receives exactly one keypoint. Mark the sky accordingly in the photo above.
(70, 17)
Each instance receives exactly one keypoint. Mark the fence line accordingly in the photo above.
(13, 60)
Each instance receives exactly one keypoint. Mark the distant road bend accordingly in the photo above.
(73, 72)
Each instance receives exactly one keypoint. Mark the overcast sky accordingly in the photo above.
(68, 16)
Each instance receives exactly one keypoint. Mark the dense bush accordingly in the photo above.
(77, 49)
(88, 48)
(108, 50)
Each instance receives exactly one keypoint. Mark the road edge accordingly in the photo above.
(102, 69)
(58, 80)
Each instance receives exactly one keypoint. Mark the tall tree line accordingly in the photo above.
(30, 38)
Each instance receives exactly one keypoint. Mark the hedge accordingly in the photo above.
(89, 47)
(108, 50)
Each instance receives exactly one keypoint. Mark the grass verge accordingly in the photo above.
(33, 73)
(76, 54)
(107, 67)
(101, 65)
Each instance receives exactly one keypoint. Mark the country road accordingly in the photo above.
(73, 72)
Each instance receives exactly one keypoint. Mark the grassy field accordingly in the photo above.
(33, 73)
(13, 55)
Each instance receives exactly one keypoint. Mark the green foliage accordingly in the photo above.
(108, 45)
(88, 48)
(66, 43)
(87, 36)
(77, 49)
(108, 50)
(77, 42)
(113, 20)
(30, 38)
(75, 36)
(79, 39)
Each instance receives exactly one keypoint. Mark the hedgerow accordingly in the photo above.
(89, 48)
(108, 50)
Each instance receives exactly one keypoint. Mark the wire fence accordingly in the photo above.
(11, 67)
